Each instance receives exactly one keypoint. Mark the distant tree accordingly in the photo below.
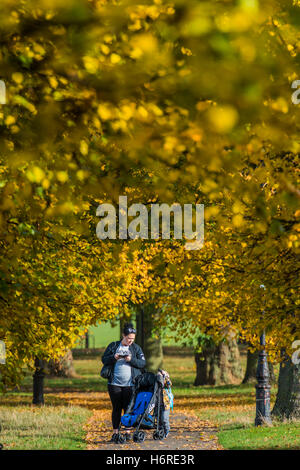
(287, 403)
(149, 341)
(63, 367)
(217, 363)
(251, 367)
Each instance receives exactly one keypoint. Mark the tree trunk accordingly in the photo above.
(225, 364)
(201, 369)
(87, 340)
(38, 382)
(151, 346)
(63, 367)
(218, 364)
(272, 378)
(250, 374)
(123, 322)
(203, 360)
(287, 403)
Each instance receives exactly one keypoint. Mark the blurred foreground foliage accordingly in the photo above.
(186, 102)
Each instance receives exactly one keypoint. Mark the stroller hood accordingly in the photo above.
(147, 380)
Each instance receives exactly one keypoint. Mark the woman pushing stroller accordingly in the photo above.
(145, 398)
(125, 361)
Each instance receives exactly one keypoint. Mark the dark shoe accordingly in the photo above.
(114, 437)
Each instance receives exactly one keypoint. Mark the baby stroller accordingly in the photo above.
(145, 408)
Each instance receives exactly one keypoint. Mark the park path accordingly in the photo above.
(188, 431)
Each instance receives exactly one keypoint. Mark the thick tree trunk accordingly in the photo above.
(64, 367)
(151, 346)
(218, 364)
(287, 403)
(250, 374)
(225, 366)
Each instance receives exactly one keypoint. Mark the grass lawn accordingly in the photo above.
(102, 334)
(278, 436)
(25, 427)
(235, 421)
(231, 408)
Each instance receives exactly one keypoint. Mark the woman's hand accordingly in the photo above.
(117, 356)
(128, 358)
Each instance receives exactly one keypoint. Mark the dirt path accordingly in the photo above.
(187, 432)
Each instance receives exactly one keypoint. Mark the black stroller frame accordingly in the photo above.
(159, 433)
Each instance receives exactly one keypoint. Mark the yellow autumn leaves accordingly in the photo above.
(223, 118)
(163, 102)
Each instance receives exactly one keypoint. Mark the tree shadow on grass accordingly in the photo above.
(56, 385)
(16, 400)
(194, 403)
(235, 426)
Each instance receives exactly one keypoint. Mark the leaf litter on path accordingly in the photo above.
(188, 431)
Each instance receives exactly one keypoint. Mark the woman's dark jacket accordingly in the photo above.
(137, 362)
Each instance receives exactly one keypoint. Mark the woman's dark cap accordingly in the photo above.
(128, 329)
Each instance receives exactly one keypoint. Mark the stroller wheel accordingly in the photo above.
(158, 435)
(139, 436)
(121, 439)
